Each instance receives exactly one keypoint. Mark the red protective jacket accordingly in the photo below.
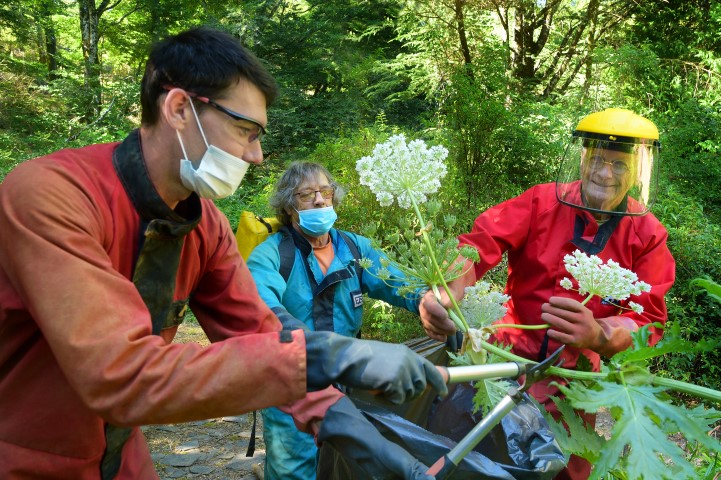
(76, 349)
(537, 231)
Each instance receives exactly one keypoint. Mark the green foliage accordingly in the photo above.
(575, 437)
(695, 242)
(644, 415)
(489, 391)
(712, 288)
(323, 56)
(495, 147)
(643, 423)
(384, 322)
(692, 142)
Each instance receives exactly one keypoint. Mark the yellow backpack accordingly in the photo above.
(252, 230)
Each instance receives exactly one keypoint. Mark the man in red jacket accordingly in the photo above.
(598, 205)
(102, 251)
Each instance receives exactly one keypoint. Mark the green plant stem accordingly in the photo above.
(676, 385)
(437, 267)
(688, 388)
(558, 371)
(456, 320)
(521, 326)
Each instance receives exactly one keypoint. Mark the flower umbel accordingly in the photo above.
(608, 281)
(408, 173)
(481, 306)
(401, 172)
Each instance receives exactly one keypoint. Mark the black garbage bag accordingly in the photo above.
(521, 447)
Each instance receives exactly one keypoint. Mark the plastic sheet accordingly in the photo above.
(521, 447)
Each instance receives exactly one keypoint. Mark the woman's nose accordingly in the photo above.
(318, 199)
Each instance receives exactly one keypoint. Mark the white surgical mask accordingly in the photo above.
(218, 173)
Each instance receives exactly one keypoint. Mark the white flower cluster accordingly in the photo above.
(608, 280)
(481, 306)
(401, 171)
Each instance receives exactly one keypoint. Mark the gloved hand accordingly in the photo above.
(346, 429)
(395, 370)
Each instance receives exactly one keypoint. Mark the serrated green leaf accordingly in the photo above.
(489, 392)
(670, 343)
(642, 422)
(460, 360)
(576, 438)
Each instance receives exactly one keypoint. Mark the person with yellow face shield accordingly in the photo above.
(600, 205)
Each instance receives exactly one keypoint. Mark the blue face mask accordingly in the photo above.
(316, 221)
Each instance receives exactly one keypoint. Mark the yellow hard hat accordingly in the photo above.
(617, 125)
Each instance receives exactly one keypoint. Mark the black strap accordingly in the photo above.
(286, 249)
(543, 351)
(251, 442)
(264, 222)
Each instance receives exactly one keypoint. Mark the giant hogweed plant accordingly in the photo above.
(643, 411)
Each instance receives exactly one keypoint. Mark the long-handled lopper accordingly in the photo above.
(445, 465)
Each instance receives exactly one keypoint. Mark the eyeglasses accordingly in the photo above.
(309, 196)
(253, 133)
(618, 167)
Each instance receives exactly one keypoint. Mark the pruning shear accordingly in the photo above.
(534, 372)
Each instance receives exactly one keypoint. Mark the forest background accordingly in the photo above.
(500, 83)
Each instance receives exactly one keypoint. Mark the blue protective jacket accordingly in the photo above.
(296, 296)
(291, 454)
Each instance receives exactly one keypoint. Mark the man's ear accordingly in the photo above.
(175, 108)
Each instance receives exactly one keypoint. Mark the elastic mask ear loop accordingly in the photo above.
(200, 127)
(182, 147)
(202, 133)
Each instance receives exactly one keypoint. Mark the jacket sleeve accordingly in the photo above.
(379, 289)
(264, 266)
(309, 411)
(53, 251)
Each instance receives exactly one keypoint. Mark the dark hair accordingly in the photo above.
(203, 61)
(284, 192)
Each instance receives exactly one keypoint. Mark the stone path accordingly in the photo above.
(207, 450)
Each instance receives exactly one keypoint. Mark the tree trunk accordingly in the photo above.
(461, 28)
(89, 21)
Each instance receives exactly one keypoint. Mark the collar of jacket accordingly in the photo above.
(130, 166)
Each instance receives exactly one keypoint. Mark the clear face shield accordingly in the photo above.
(609, 177)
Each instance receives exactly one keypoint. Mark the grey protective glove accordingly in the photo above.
(393, 370)
(346, 429)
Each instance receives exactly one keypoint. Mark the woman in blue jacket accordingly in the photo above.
(307, 273)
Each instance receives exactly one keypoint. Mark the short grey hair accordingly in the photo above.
(283, 196)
